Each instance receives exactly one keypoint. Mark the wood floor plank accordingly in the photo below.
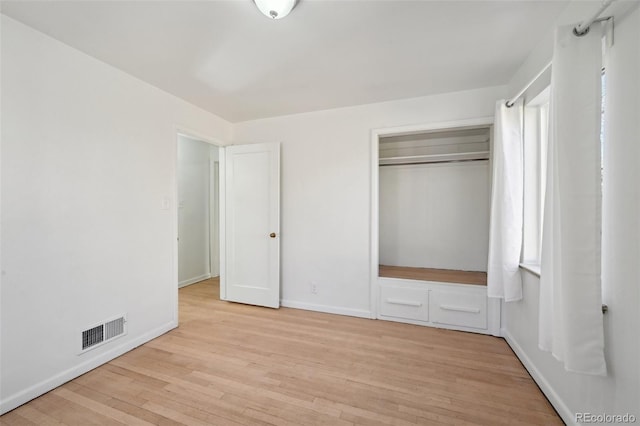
(232, 364)
(17, 419)
(31, 414)
(98, 407)
(119, 404)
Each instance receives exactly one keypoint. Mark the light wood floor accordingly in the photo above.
(233, 364)
(432, 274)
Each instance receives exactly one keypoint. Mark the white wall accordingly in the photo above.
(193, 211)
(619, 392)
(326, 186)
(435, 215)
(88, 155)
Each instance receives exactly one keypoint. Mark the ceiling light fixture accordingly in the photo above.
(275, 9)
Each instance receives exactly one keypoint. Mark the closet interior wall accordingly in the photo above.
(434, 200)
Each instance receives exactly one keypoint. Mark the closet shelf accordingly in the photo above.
(435, 158)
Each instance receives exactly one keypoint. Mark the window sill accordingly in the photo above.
(532, 268)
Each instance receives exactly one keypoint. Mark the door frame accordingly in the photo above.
(214, 214)
(376, 134)
(178, 131)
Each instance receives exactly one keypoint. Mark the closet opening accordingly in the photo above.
(434, 205)
(430, 236)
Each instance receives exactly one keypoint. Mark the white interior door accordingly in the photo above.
(252, 224)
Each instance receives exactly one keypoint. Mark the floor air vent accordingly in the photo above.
(102, 333)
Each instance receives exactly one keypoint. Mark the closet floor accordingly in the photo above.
(431, 274)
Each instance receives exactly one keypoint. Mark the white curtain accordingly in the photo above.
(505, 231)
(571, 324)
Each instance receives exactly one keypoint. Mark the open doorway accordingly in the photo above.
(198, 210)
(227, 225)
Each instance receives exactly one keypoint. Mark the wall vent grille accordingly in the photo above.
(103, 333)
(113, 328)
(92, 337)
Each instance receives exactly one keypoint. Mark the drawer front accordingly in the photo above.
(404, 302)
(460, 308)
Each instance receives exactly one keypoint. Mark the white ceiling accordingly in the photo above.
(227, 58)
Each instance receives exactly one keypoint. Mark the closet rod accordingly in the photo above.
(432, 158)
(435, 162)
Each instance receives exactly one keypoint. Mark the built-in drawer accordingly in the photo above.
(404, 302)
(459, 308)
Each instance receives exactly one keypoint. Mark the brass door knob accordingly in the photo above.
(272, 235)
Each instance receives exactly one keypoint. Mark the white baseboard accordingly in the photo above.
(555, 400)
(45, 386)
(326, 309)
(193, 280)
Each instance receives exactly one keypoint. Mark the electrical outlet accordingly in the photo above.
(313, 287)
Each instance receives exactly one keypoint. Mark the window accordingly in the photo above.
(603, 94)
(536, 129)
(536, 133)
